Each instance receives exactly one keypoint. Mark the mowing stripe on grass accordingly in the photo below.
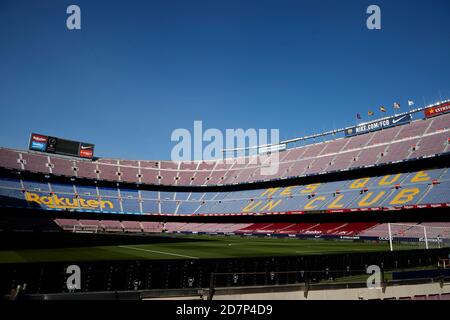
(161, 252)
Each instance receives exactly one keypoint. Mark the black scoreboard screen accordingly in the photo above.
(39, 142)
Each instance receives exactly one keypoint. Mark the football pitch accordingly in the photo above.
(191, 247)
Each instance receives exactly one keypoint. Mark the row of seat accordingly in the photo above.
(363, 229)
(424, 187)
(338, 228)
(409, 230)
(421, 138)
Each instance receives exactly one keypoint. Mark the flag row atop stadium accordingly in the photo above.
(430, 110)
(395, 106)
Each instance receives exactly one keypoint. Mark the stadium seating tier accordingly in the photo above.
(418, 139)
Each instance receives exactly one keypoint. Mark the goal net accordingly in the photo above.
(420, 236)
(85, 229)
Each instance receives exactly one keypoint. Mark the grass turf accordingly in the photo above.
(185, 248)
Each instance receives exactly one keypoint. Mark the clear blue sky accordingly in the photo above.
(139, 69)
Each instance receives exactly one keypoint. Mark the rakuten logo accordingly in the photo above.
(39, 138)
(56, 202)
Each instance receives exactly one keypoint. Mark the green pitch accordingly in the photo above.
(191, 247)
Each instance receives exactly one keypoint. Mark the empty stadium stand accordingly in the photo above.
(403, 190)
(418, 139)
(338, 230)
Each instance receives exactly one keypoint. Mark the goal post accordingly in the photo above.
(420, 236)
(390, 237)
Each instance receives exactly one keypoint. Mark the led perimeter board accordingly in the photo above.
(43, 143)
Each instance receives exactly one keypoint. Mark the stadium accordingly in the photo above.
(183, 153)
(373, 194)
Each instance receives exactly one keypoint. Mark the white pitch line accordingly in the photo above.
(161, 252)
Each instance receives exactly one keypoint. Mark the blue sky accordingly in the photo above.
(140, 69)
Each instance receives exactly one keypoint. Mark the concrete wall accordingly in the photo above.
(342, 294)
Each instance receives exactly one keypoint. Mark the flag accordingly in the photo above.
(382, 109)
(410, 103)
(358, 116)
(370, 113)
(396, 105)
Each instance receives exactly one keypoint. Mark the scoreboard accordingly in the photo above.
(39, 142)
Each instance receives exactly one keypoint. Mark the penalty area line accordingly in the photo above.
(160, 252)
